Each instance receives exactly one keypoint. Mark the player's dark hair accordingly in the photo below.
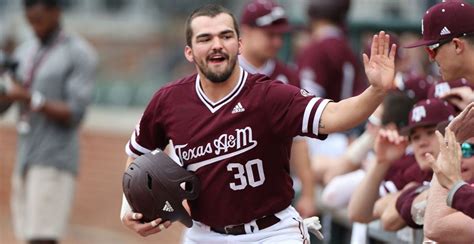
(396, 107)
(210, 10)
(47, 3)
(469, 38)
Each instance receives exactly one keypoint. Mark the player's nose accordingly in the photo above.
(217, 43)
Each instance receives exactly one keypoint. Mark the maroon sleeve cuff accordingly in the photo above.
(404, 203)
(463, 200)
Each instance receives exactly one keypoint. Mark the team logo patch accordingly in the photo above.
(306, 93)
(418, 114)
(441, 89)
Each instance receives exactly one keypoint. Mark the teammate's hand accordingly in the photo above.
(459, 96)
(380, 67)
(448, 165)
(389, 145)
(463, 123)
(132, 221)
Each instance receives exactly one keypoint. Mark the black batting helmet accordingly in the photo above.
(155, 186)
(333, 10)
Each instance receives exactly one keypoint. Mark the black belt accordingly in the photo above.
(262, 223)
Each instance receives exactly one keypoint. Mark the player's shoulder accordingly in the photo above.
(183, 83)
(176, 88)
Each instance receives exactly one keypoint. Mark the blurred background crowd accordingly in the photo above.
(140, 46)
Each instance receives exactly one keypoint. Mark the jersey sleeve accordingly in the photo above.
(404, 205)
(464, 200)
(293, 111)
(149, 133)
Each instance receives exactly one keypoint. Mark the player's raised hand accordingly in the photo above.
(447, 166)
(380, 67)
(389, 145)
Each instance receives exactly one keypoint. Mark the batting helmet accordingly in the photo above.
(155, 186)
(333, 10)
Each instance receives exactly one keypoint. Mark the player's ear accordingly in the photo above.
(188, 53)
(459, 44)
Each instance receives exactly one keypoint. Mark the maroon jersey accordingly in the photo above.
(274, 69)
(239, 147)
(329, 68)
(402, 172)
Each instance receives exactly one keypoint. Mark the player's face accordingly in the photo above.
(42, 20)
(444, 55)
(423, 140)
(264, 43)
(215, 46)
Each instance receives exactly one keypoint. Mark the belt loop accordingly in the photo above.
(251, 227)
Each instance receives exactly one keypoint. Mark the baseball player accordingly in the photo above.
(234, 130)
(261, 41)
(448, 37)
(327, 67)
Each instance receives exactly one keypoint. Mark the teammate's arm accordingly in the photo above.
(442, 223)
(389, 216)
(366, 194)
(388, 148)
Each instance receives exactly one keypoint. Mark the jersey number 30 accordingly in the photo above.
(245, 175)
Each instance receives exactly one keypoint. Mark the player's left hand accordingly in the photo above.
(133, 222)
(306, 206)
(380, 67)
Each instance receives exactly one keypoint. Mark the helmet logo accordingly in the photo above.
(168, 207)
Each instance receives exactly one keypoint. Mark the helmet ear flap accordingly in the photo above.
(190, 188)
(155, 186)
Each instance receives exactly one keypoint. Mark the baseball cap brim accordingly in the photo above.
(420, 43)
(405, 131)
(277, 28)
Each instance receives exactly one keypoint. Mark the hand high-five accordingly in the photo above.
(380, 67)
(447, 166)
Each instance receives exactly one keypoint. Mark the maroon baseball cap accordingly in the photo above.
(428, 112)
(416, 87)
(440, 88)
(265, 14)
(445, 21)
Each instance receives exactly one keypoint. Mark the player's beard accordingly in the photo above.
(218, 77)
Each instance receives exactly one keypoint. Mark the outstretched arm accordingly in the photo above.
(380, 70)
